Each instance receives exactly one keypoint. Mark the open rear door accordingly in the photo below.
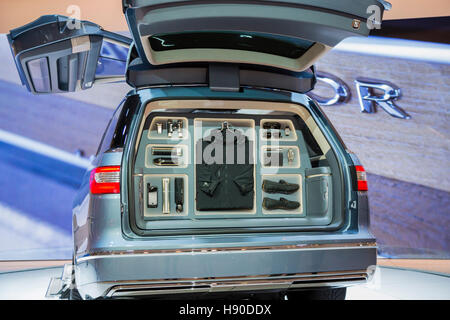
(56, 54)
(286, 34)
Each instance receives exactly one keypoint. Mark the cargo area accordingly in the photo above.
(233, 167)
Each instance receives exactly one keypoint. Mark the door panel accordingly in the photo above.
(57, 54)
(288, 34)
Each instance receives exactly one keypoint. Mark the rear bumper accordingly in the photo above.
(242, 284)
(129, 273)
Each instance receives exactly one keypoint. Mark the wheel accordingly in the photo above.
(318, 294)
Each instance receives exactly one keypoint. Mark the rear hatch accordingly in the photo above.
(289, 34)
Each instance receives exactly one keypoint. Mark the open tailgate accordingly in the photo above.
(288, 34)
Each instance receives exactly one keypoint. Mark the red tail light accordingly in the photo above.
(361, 178)
(105, 180)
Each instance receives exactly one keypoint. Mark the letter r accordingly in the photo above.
(368, 98)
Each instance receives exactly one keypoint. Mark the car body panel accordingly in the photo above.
(102, 230)
(54, 56)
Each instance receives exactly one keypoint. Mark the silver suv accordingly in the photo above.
(217, 175)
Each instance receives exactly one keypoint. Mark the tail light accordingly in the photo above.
(105, 180)
(361, 178)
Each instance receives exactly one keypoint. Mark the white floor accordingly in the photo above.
(27, 285)
(401, 284)
(388, 284)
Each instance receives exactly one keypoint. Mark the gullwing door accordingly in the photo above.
(55, 54)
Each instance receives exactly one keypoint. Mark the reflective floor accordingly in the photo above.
(388, 284)
(402, 284)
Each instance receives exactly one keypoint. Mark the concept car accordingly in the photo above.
(217, 176)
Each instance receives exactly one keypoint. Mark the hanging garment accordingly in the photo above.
(225, 171)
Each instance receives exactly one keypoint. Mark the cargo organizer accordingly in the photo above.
(176, 180)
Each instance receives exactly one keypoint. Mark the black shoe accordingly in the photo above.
(279, 187)
(283, 204)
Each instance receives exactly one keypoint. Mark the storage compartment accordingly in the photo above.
(224, 165)
(273, 129)
(233, 174)
(166, 155)
(280, 156)
(282, 186)
(173, 128)
(319, 191)
(165, 195)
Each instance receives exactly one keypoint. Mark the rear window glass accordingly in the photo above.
(271, 44)
(119, 125)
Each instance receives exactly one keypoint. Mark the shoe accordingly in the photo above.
(283, 204)
(279, 187)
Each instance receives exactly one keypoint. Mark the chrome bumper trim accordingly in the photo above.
(105, 254)
(247, 283)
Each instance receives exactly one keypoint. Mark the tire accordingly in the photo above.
(73, 293)
(319, 294)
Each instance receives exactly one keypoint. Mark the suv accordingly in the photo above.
(217, 175)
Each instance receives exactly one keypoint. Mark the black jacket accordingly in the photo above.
(224, 171)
